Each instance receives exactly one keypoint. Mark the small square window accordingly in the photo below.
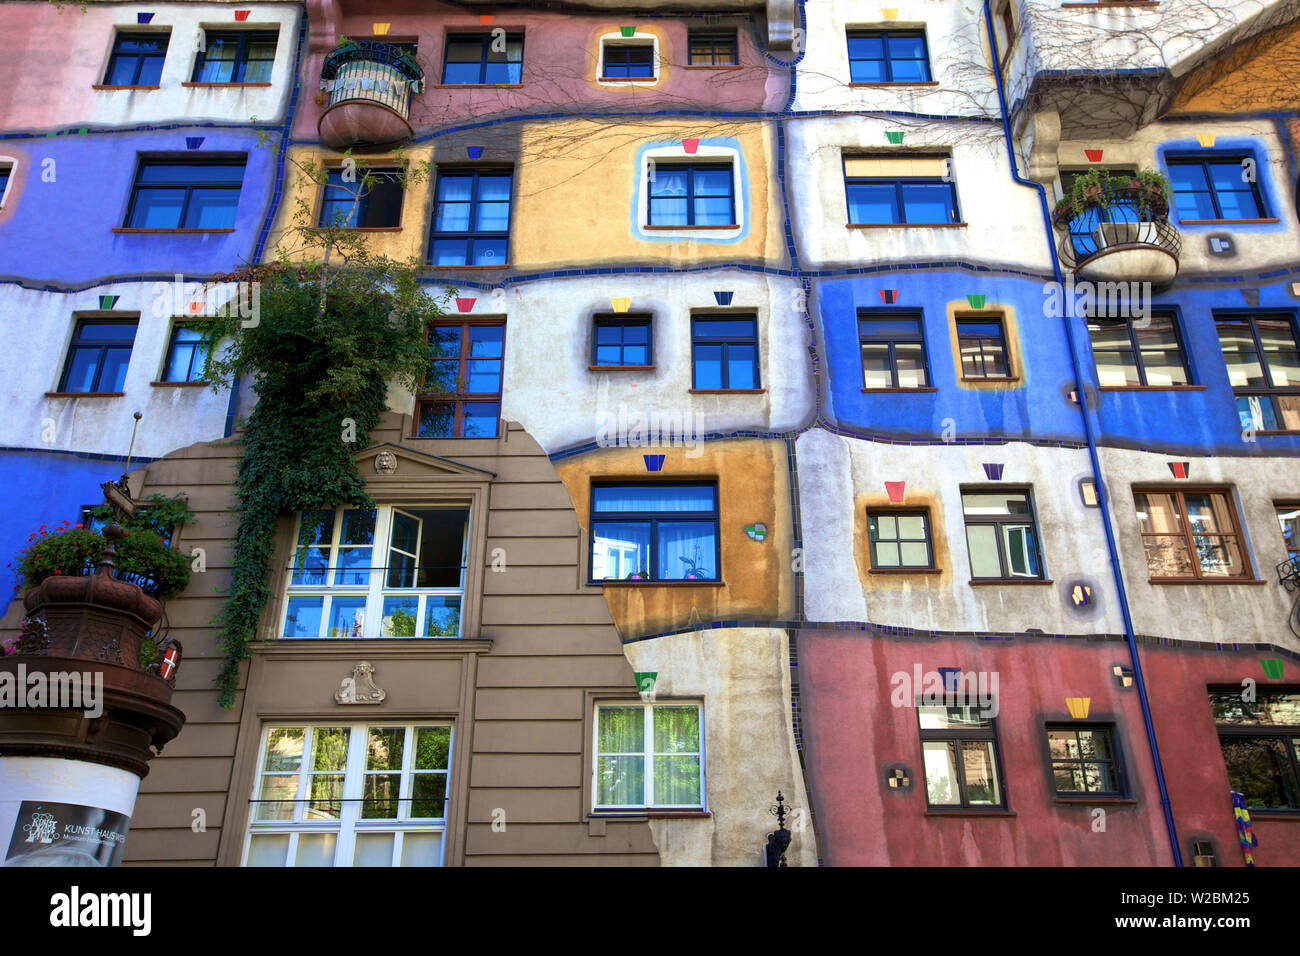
(471, 217)
(137, 59)
(621, 342)
(983, 347)
(1085, 760)
(187, 355)
(691, 195)
(724, 353)
(483, 59)
(627, 61)
(900, 540)
(893, 56)
(712, 49)
(372, 200)
(98, 356)
(241, 56)
(649, 755)
(893, 350)
(1002, 534)
(960, 754)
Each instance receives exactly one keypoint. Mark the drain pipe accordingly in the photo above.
(1103, 499)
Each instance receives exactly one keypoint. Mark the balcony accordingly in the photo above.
(1123, 235)
(367, 87)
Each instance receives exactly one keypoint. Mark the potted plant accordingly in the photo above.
(694, 567)
(641, 574)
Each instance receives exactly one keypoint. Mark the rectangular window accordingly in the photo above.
(895, 56)
(187, 355)
(899, 540)
(1288, 516)
(1148, 354)
(1190, 534)
(176, 194)
(1084, 760)
(372, 200)
(242, 56)
(350, 795)
(1002, 534)
(1215, 188)
(482, 59)
(395, 571)
(912, 190)
(691, 195)
(137, 59)
(1262, 353)
(620, 342)
(471, 217)
(98, 356)
(656, 532)
(1261, 745)
(724, 353)
(461, 395)
(6, 171)
(712, 49)
(649, 756)
(960, 755)
(983, 347)
(893, 351)
(628, 61)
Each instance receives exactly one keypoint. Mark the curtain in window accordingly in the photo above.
(620, 745)
(686, 549)
(650, 498)
(677, 778)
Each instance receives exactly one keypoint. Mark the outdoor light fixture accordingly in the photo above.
(1123, 674)
(778, 841)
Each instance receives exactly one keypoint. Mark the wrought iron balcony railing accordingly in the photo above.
(1123, 217)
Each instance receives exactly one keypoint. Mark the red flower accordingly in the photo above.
(77, 526)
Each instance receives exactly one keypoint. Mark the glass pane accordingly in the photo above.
(686, 551)
(284, 749)
(354, 566)
(620, 781)
(1021, 551)
(911, 365)
(1219, 555)
(873, 203)
(677, 781)
(280, 790)
(620, 730)
(887, 555)
(652, 498)
(381, 792)
(432, 748)
(112, 376)
(676, 729)
(742, 366)
(908, 47)
(1062, 743)
(713, 211)
(441, 616)
(911, 527)
(326, 790)
(485, 341)
(347, 616)
(436, 420)
(1259, 767)
(914, 555)
(480, 419)
(462, 72)
(316, 527)
(81, 370)
(1238, 204)
(995, 503)
(268, 849)
(883, 527)
(483, 377)
(940, 758)
(373, 849)
(310, 565)
(1101, 777)
(951, 717)
(1068, 778)
(1276, 334)
(400, 616)
(983, 542)
(316, 849)
(1164, 367)
(708, 366)
(928, 202)
(211, 209)
(1244, 369)
(157, 208)
(724, 328)
(981, 772)
(421, 849)
(1207, 513)
(714, 181)
(429, 793)
(304, 617)
(330, 748)
(384, 748)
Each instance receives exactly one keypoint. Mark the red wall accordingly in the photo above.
(851, 733)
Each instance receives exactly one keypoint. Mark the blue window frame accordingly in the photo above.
(1214, 187)
(724, 352)
(187, 355)
(654, 532)
(628, 61)
(98, 356)
(372, 201)
(6, 170)
(893, 350)
(471, 217)
(622, 341)
(475, 59)
(176, 194)
(913, 200)
(137, 59)
(892, 56)
(686, 195)
(241, 56)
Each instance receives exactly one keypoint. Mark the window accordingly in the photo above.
(657, 532)
(474, 59)
(724, 353)
(1131, 354)
(1214, 188)
(6, 174)
(1084, 760)
(691, 195)
(1288, 517)
(983, 348)
(622, 342)
(1001, 534)
(627, 61)
(899, 540)
(897, 56)
(90, 521)
(394, 571)
(171, 194)
(648, 755)
(471, 217)
(239, 57)
(137, 59)
(461, 397)
(712, 49)
(98, 356)
(350, 795)
(1263, 358)
(1190, 534)
(1261, 745)
(906, 190)
(959, 752)
(187, 355)
(893, 351)
(373, 200)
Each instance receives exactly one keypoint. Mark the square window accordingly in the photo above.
(724, 353)
(183, 194)
(654, 532)
(1190, 534)
(241, 56)
(98, 356)
(1002, 534)
(983, 348)
(6, 176)
(483, 59)
(893, 56)
(1085, 760)
(893, 350)
(960, 755)
(372, 200)
(137, 59)
(620, 342)
(712, 48)
(1262, 355)
(905, 189)
(1260, 741)
(627, 61)
(899, 540)
(461, 394)
(187, 355)
(471, 217)
(1215, 187)
(690, 195)
(648, 756)
(1148, 354)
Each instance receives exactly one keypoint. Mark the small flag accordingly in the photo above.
(1251, 296)
(723, 298)
(895, 490)
(895, 136)
(381, 29)
(889, 296)
(474, 151)
(690, 145)
(1179, 468)
(620, 305)
(1094, 155)
(1205, 139)
(654, 462)
(627, 31)
(171, 660)
(193, 142)
(143, 17)
(993, 470)
(106, 302)
(242, 14)
(976, 301)
(1078, 707)
(1273, 667)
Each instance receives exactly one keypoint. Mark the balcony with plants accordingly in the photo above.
(1115, 228)
(366, 88)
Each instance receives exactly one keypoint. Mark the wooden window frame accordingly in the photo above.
(240, 62)
(1179, 495)
(460, 399)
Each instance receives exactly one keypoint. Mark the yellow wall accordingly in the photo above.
(1260, 74)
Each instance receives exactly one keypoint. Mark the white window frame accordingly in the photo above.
(636, 39)
(649, 754)
(377, 589)
(704, 153)
(349, 823)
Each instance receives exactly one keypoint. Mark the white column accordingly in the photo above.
(57, 784)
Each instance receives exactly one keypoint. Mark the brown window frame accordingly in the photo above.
(1293, 548)
(459, 399)
(1180, 501)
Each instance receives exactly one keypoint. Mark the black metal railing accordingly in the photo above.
(383, 73)
(1121, 216)
(145, 582)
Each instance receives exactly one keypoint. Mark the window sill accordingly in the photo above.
(900, 390)
(906, 225)
(643, 814)
(1191, 580)
(223, 85)
(625, 583)
(1150, 388)
(712, 66)
(620, 368)
(454, 268)
(84, 394)
(128, 229)
(628, 79)
(728, 391)
(319, 228)
(968, 812)
(890, 83)
(687, 228)
(993, 379)
(1226, 222)
(476, 86)
(180, 384)
(998, 582)
(110, 87)
(1276, 431)
(1085, 799)
(905, 570)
